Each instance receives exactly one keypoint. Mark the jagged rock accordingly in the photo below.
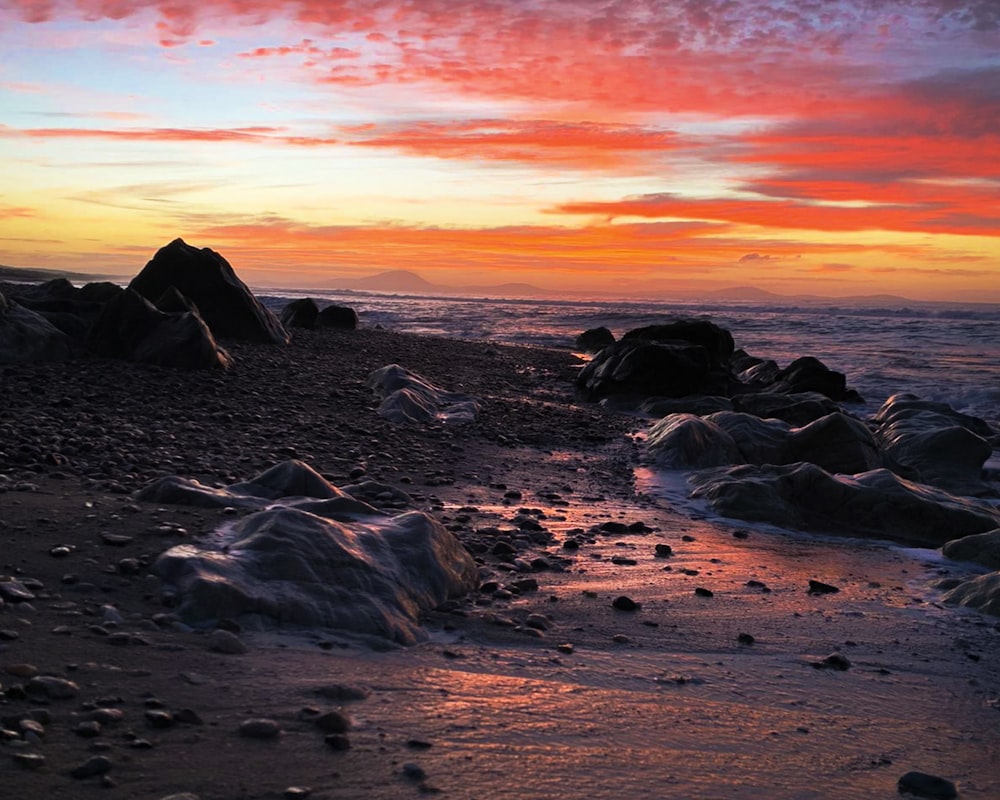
(207, 279)
(27, 337)
(130, 327)
(876, 503)
(172, 301)
(302, 313)
(409, 398)
(639, 368)
(980, 548)
(593, 340)
(684, 441)
(335, 316)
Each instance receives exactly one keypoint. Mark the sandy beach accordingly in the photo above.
(729, 680)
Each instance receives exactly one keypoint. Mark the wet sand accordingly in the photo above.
(581, 699)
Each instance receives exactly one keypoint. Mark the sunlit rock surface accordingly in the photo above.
(876, 503)
(314, 557)
(407, 397)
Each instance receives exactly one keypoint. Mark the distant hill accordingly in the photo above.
(401, 281)
(35, 275)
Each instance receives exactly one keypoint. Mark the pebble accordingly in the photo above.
(297, 792)
(333, 722)
(538, 621)
(29, 760)
(923, 785)
(413, 771)
(625, 603)
(54, 688)
(703, 592)
(834, 661)
(818, 587)
(565, 647)
(222, 641)
(745, 638)
(88, 730)
(21, 670)
(260, 729)
(95, 765)
(663, 551)
(337, 741)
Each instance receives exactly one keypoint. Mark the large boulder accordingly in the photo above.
(877, 503)
(406, 397)
(938, 443)
(301, 313)
(594, 340)
(207, 279)
(981, 593)
(838, 443)
(758, 441)
(132, 328)
(684, 441)
(640, 368)
(796, 409)
(27, 337)
(809, 374)
(336, 316)
(717, 341)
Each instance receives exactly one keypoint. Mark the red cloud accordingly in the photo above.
(256, 134)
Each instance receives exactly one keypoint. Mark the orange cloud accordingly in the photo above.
(251, 134)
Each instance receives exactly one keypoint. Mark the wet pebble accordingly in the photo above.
(31, 761)
(834, 661)
(260, 728)
(701, 591)
(923, 785)
(818, 587)
(625, 603)
(53, 688)
(663, 551)
(745, 638)
(93, 766)
(337, 741)
(222, 641)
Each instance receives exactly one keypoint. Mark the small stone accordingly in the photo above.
(106, 716)
(703, 592)
(418, 744)
(923, 785)
(54, 688)
(624, 603)
(538, 621)
(337, 741)
(620, 638)
(222, 641)
(260, 729)
(88, 730)
(15, 592)
(565, 647)
(31, 728)
(297, 792)
(333, 722)
(745, 638)
(93, 766)
(818, 587)
(29, 760)
(188, 716)
(158, 718)
(663, 551)
(834, 661)
(24, 671)
(115, 539)
(413, 771)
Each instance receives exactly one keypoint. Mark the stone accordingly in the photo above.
(809, 374)
(624, 603)
(302, 313)
(92, 767)
(409, 398)
(32, 761)
(818, 587)
(206, 278)
(53, 687)
(684, 441)
(979, 548)
(333, 722)
(715, 340)
(222, 641)
(796, 409)
(260, 728)
(594, 339)
(26, 337)
(337, 316)
(921, 784)
(981, 593)
(337, 741)
(638, 369)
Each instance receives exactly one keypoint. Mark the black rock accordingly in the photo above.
(818, 587)
(594, 340)
(343, 317)
(625, 603)
(302, 313)
(923, 785)
(96, 765)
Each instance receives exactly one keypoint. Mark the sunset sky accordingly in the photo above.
(638, 147)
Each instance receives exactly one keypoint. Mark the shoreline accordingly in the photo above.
(664, 701)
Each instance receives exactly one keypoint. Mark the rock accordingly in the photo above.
(716, 341)
(407, 397)
(684, 441)
(594, 340)
(290, 567)
(940, 446)
(638, 369)
(923, 785)
(625, 603)
(92, 767)
(132, 328)
(14, 591)
(980, 548)
(746, 638)
(796, 409)
(26, 337)
(333, 722)
(226, 304)
(875, 503)
(334, 316)
(701, 591)
(337, 741)
(808, 374)
(413, 771)
(302, 313)
(260, 728)
(834, 661)
(981, 593)
(53, 688)
(700, 405)
(818, 587)
(32, 761)
(663, 551)
(222, 641)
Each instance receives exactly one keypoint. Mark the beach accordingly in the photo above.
(729, 679)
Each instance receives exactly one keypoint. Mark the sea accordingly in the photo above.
(947, 352)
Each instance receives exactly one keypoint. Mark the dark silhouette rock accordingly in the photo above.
(809, 374)
(642, 368)
(923, 785)
(594, 340)
(99, 292)
(717, 341)
(27, 337)
(334, 316)
(207, 279)
(131, 328)
(301, 313)
(980, 548)
(173, 302)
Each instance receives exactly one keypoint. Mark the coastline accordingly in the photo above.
(663, 701)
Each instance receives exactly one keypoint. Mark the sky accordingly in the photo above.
(639, 148)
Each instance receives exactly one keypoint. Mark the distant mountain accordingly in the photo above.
(401, 281)
(743, 293)
(35, 275)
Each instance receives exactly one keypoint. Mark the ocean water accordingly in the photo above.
(937, 351)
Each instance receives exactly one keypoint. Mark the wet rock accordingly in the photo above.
(745, 638)
(685, 441)
(923, 785)
(701, 591)
(337, 741)
(818, 587)
(223, 641)
(980, 548)
(663, 551)
(92, 767)
(834, 661)
(593, 340)
(260, 728)
(53, 688)
(625, 603)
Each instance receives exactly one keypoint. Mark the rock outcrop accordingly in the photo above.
(207, 279)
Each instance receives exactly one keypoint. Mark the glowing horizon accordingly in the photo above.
(643, 147)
